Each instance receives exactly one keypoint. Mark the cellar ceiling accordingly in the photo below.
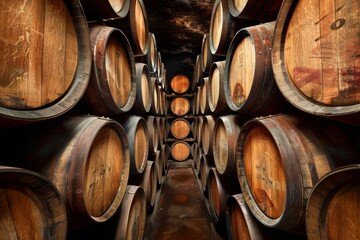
(179, 27)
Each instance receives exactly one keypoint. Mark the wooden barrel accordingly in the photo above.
(223, 27)
(262, 10)
(164, 155)
(180, 151)
(315, 58)
(132, 214)
(135, 26)
(180, 128)
(197, 74)
(281, 158)
(148, 181)
(155, 102)
(30, 205)
(204, 169)
(150, 58)
(217, 94)
(159, 69)
(180, 106)
(138, 136)
(98, 10)
(44, 72)
(207, 131)
(180, 84)
(197, 98)
(225, 135)
(112, 86)
(153, 130)
(248, 69)
(220, 187)
(159, 167)
(241, 224)
(143, 95)
(333, 208)
(207, 58)
(86, 157)
(204, 92)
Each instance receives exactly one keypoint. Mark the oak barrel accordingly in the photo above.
(223, 27)
(207, 133)
(159, 166)
(112, 87)
(138, 136)
(315, 58)
(180, 84)
(180, 128)
(44, 72)
(150, 58)
(180, 151)
(31, 206)
(249, 83)
(143, 95)
(241, 224)
(333, 209)
(135, 26)
(206, 57)
(155, 100)
(224, 142)
(164, 155)
(203, 97)
(281, 158)
(260, 10)
(197, 74)
(217, 93)
(97, 10)
(180, 106)
(153, 130)
(220, 188)
(86, 157)
(132, 214)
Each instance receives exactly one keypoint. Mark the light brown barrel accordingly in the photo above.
(262, 10)
(217, 94)
(220, 187)
(150, 58)
(333, 209)
(281, 158)
(159, 167)
(143, 95)
(180, 106)
(205, 166)
(207, 58)
(44, 72)
(153, 130)
(180, 84)
(180, 128)
(225, 135)
(207, 131)
(155, 100)
(223, 27)
(180, 151)
(315, 58)
(203, 96)
(138, 136)
(31, 206)
(86, 157)
(148, 181)
(97, 10)
(112, 87)
(135, 26)
(197, 74)
(159, 69)
(248, 69)
(132, 214)
(241, 224)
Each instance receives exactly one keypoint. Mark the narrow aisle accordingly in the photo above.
(181, 212)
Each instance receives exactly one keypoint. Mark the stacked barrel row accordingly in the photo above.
(277, 116)
(82, 113)
(179, 134)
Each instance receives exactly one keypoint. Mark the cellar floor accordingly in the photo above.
(181, 212)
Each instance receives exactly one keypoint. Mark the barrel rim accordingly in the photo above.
(56, 215)
(324, 189)
(100, 70)
(80, 82)
(292, 175)
(282, 78)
